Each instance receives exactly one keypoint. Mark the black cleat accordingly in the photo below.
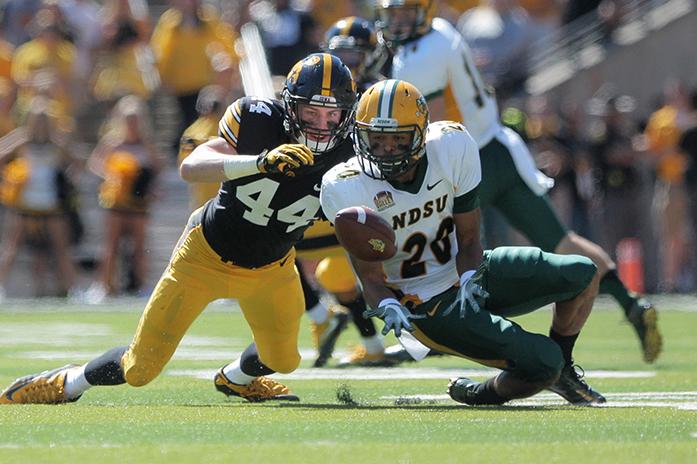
(463, 390)
(574, 389)
(644, 319)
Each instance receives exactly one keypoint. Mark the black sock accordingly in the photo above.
(566, 343)
(311, 296)
(486, 394)
(250, 363)
(365, 327)
(106, 369)
(612, 285)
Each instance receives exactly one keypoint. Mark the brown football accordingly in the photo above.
(364, 234)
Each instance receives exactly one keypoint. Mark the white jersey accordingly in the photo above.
(440, 63)
(424, 265)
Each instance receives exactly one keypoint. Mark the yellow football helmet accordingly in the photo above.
(399, 21)
(391, 107)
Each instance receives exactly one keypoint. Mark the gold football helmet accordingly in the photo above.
(390, 108)
(399, 21)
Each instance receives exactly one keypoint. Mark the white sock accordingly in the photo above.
(75, 382)
(234, 374)
(373, 345)
(318, 313)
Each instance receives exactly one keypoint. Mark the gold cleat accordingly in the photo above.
(644, 319)
(43, 388)
(361, 358)
(261, 389)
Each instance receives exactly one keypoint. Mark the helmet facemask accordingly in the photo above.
(376, 162)
(390, 129)
(317, 140)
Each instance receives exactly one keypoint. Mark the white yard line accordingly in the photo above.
(401, 373)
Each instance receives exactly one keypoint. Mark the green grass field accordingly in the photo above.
(398, 415)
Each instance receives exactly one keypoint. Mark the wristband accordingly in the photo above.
(467, 275)
(236, 166)
(388, 301)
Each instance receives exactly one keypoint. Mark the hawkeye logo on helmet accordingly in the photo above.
(384, 122)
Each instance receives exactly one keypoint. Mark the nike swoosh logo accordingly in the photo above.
(432, 312)
(316, 188)
(432, 186)
(11, 391)
(284, 260)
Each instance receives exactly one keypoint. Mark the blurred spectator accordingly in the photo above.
(83, 20)
(6, 85)
(33, 187)
(125, 65)
(617, 157)
(688, 146)
(606, 13)
(500, 34)
(544, 14)
(44, 64)
(211, 107)
(6, 97)
(663, 132)
(327, 12)
(191, 46)
(16, 16)
(129, 164)
(289, 34)
(578, 8)
(52, 9)
(554, 136)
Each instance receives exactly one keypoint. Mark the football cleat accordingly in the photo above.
(574, 389)
(261, 389)
(43, 388)
(325, 335)
(463, 390)
(397, 354)
(361, 358)
(644, 319)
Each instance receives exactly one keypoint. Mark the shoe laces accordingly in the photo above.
(579, 373)
(265, 387)
(43, 391)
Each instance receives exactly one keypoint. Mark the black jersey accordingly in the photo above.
(255, 220)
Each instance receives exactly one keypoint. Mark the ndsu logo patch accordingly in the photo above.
(383, 200)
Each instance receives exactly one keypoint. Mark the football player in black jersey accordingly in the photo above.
(270, 157)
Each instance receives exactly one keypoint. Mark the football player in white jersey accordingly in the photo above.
(433, 56)
(424, 180)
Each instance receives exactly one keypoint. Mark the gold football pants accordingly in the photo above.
(270, 297)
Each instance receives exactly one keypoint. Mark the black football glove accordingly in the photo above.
(284, 159)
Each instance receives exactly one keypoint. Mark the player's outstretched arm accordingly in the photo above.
(213, 161)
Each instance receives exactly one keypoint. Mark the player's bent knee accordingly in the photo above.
(579, 272)
(138, 376)
(542, 361)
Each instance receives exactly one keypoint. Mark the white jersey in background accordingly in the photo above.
(441, 63)
(424, 265)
